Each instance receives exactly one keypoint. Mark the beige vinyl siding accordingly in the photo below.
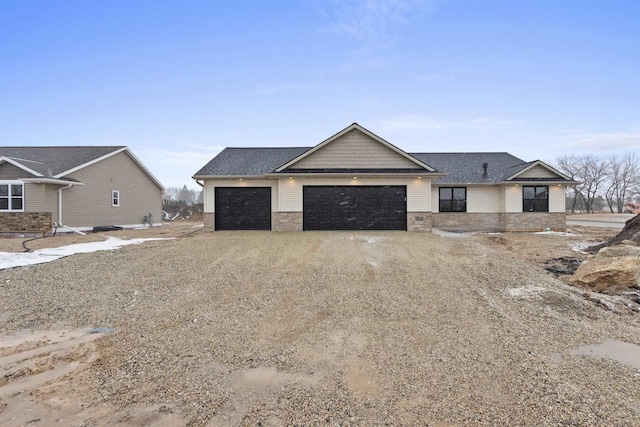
(90, 205)
(557, 198)
(512, 198)
(538, 172)
(354, 150)
(211, 184)
(480, 199)
(418, 190)
(9, 171)
(435, 196)
(35, 197)
(41, 198)
(483, 199)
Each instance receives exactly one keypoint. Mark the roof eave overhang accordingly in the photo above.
(542, 182)
(206, 177)
(430, 175)
(51, 181)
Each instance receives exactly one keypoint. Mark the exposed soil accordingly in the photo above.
(317, 328)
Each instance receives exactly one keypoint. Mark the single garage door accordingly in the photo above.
(355, 207)
(243, 208)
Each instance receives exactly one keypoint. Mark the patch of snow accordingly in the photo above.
(581, 246)
(526, 292)
(555, 233)
(449, 234)
(11, 260)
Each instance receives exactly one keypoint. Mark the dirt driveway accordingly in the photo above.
(318, 328)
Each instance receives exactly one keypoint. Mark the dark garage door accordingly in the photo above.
(354, 207)
(243, 208)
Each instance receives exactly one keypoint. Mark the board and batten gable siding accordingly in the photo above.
(538, 172)
(90, 205)
(9, 172)
(354, 150)
(211, 184)
(418, 190)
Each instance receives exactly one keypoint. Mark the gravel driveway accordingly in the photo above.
(326, 328)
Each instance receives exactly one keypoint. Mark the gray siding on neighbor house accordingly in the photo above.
(9, 171)
(90, 205)
(354, 150)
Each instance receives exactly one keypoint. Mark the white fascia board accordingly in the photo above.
(543, 182)
(538, 163)
(19, 165)
(366, 132)
(51, 181)
(106, 156)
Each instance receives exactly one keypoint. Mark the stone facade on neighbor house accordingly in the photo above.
(75, 188)
(25, 222)
(356, 180)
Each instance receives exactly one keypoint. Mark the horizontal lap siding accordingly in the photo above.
(418, 194)
(480, 199)
(557, 198)
(354, 150)
(90, 205)
(9, 172)
(483, 199)
(211, 184)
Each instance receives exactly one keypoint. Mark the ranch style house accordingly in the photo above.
(355, 180)
(75, 189)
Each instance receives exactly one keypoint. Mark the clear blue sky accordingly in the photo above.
(178, 80)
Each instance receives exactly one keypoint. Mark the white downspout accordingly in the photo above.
(60, 224)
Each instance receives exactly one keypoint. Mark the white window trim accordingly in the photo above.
(10, 183)
(115, 198)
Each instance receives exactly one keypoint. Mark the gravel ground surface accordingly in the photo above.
(324, 328)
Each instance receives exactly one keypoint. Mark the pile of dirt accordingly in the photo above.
(630, 233)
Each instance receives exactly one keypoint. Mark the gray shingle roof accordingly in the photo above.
(51, 161)
(249, 161)
(466, 168)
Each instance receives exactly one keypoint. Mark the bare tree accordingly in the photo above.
(590, 172)
(622, 176)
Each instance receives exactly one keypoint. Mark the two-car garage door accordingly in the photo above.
(362, 207)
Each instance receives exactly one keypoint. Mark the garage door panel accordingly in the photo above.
(243, 208)
(354, 208)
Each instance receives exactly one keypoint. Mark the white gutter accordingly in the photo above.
(60, 224)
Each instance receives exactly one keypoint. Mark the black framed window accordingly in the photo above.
(453, 199)
(535, 198)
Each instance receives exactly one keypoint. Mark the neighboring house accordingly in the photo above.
(356, 180)
(77, 187)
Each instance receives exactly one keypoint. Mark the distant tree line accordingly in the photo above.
(175, 196)
(604, 182)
